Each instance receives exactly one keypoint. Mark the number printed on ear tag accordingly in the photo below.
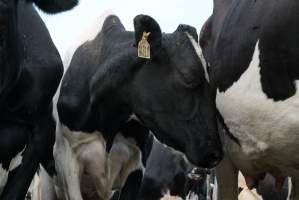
(144, 48)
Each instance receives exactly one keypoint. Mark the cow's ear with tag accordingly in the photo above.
(148, 36)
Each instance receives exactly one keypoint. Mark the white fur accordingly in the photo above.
(84, 166)
(133, 116)
(289, 188)
(17, 160)
(264, 127)
(35, 189)
(14, 163)
(3, 178)
(199, 53)
(268, 131)
(167, 196)
(247, 194)
(192, 196)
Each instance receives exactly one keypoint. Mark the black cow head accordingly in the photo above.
(168, 92)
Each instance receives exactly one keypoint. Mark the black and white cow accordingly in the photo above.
(168, 172)
(168, 92)
(30, 70)
(106, 84)
(252, 51)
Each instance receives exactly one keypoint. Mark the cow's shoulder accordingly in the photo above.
(40, 64)
(234, 41)
(34, 37)
(232, 44)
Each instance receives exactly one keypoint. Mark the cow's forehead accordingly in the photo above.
(184, 51)
(199, 53)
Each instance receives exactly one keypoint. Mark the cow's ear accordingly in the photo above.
(144, 24)
(189, 29)
(54, 6)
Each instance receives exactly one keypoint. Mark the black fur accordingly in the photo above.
(30, 71)
(168, 171)
(131, 187)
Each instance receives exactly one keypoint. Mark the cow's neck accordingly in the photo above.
(9, 53)
(250, 115)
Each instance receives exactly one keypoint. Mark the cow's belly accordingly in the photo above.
(268, 131)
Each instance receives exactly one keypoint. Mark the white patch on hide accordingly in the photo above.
(14, 163)
(75, 151)
(267, 130)
(199, 53)
(290, 187)
(17, 160)
(3, 178)
(192, 196)
(133, 116)
(167, 196)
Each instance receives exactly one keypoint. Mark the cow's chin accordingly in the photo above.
(204, 157)
(201, 150)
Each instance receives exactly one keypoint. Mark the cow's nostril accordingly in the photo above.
(216, 157)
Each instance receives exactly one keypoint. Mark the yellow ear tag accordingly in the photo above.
(144, 48)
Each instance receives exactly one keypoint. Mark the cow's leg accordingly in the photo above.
(290, 188)
(39, 149)
(131, 188)
(45, 141)
(227, 179)
(93, 157)
(68, 168)
(34, 189)
(46, 186)
(20, 178)
(295, 188)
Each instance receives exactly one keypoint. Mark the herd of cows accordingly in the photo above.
(108, 124)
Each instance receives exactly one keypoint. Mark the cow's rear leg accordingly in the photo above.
(45, 187)
(20, 178)
(227, 179)
(131, 188)
(93, 157)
